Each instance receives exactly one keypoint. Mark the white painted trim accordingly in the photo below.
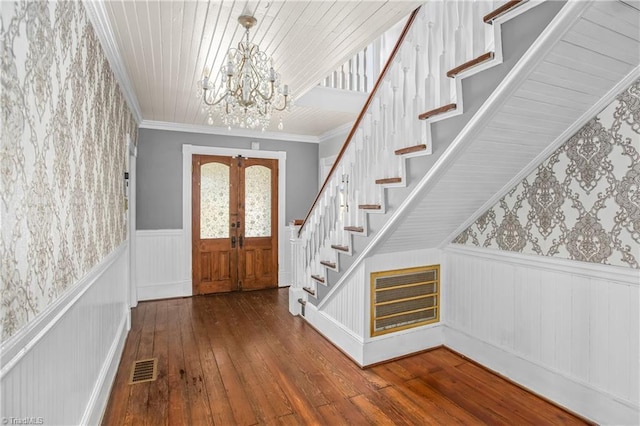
(550, 149)
(590, 402)
(131, 222)
(187, 152)
(340, 130)
(153, 233)
(562, 22)
(98, 17)
(164, 290)
(401, 343)
(345, 339)
(18, 345)
(609, 273)
(212, 130)
(371, 351)
(102, 389)
(295, 293)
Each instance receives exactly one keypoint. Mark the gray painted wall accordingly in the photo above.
(159, 174)
(332, 145)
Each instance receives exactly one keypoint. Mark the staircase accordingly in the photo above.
(474, 95)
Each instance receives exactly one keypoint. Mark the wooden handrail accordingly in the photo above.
(383, 73)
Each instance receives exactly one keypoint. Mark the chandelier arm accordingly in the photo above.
(267, 98)
(213, 103)
(283, 107)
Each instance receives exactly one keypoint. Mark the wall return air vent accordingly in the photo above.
(404, 298)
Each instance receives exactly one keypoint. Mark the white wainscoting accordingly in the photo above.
(345, 306)
(61, 366)
(343, 317)
(566, 330)
(161, 268)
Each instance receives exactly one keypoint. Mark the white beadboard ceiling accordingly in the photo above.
(165, 45)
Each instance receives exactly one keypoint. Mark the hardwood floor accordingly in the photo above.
(243, 359)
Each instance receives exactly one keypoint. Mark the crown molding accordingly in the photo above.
(212, 130)
(338, 131)
(98, 17)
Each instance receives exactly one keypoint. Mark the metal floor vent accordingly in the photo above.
(144, 370)
(404, 298)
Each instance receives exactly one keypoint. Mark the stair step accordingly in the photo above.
(488, 18)
(354, 228)
(309, 290)
(436, 111)
(339, 247)
(302, 302)
(389, 180)
(318, 278)
(369, 206)
(410, 149)
(328, 264)
(469, 64)
(298, 222)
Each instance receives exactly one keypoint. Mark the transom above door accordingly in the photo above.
(234, 223)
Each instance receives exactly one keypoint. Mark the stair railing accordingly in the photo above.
(436, 37)
(353, 75)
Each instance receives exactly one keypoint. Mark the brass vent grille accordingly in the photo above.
(144, 370)
(404, 298)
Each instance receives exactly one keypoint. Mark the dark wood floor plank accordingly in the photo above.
(157, 404)
(177, 381)
(519, 400)
(243, 359)
(372, 411)
(438, 405)
(139, 397)
(199, 403)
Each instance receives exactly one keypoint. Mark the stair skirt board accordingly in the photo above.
(370, 351)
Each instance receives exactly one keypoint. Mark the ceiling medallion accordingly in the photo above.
(247, 91)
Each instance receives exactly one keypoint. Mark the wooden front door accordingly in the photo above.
(234, 223)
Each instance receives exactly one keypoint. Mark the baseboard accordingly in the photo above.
(295, 294)
(285, 278)
(584, 400)
(378, 349)
(402, 343)
(345, 340)
(102, 389)
(164, 290)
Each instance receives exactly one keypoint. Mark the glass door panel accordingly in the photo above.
(257, 201)
(214, 201)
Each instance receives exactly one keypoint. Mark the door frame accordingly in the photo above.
(187, 153)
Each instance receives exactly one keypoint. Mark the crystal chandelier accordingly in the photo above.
(249, 89)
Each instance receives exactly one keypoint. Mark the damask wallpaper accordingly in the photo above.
(62, 155)
(583, 202)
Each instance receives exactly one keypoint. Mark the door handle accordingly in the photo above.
(233, 242)
(241, 241)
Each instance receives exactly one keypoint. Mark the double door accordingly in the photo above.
(234, 224)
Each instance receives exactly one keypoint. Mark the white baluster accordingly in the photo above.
(351, 85)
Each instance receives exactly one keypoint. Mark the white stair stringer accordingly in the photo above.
(420, 162)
